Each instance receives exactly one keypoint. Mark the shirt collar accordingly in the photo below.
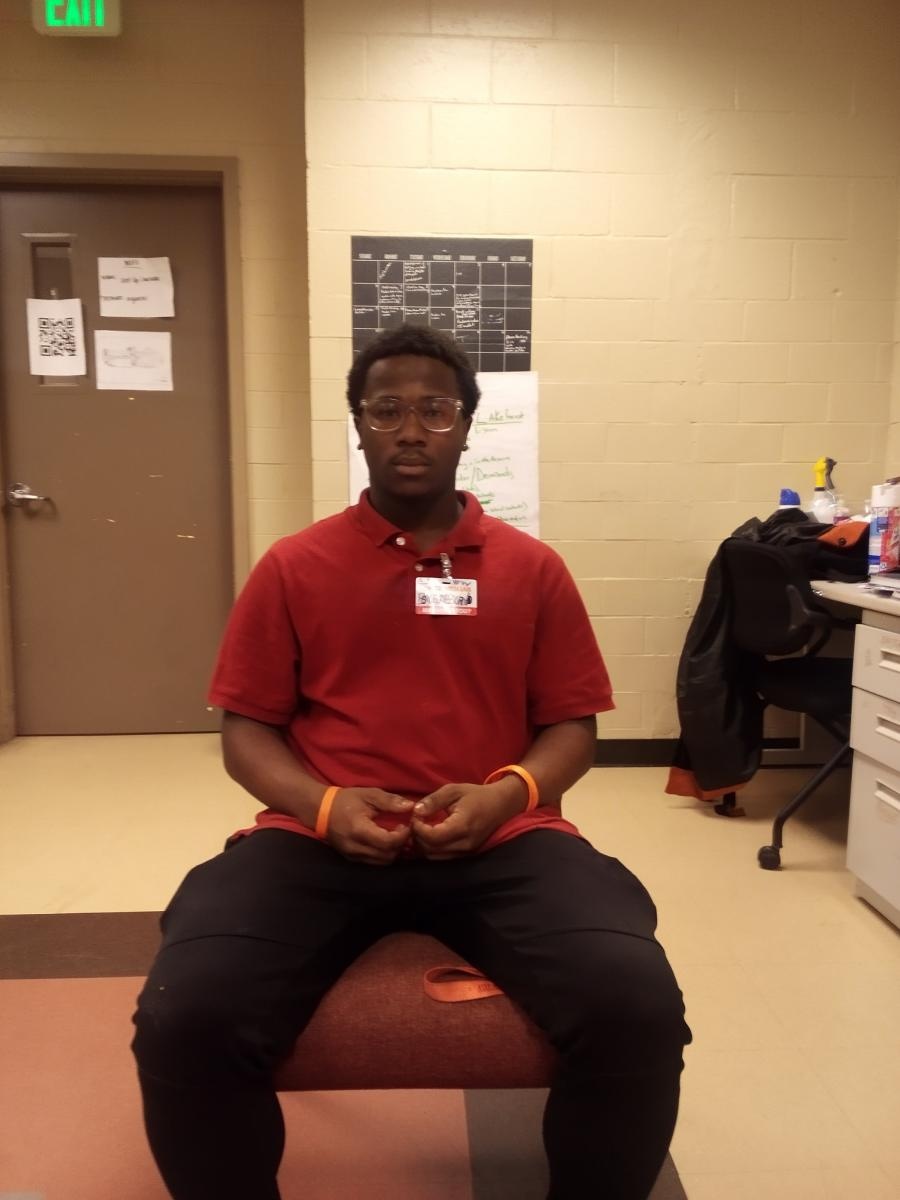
(466, 532)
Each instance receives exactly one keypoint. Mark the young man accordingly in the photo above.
(411, 752)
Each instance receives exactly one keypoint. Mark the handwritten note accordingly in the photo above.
(501, 465)
(133, 361)
(136, 287)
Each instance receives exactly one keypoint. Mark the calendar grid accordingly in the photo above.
(476, 289)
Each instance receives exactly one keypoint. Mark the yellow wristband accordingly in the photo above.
(526, 777)
(325, 811)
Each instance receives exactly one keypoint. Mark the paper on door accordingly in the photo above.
(133, 360)
(136, 287)
(55, 337)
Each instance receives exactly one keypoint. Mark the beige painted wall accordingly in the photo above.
(712, 188)
(190, 77)
(892, 455)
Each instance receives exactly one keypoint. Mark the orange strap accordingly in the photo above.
(444, 983)
(325, 811)
(525, 776)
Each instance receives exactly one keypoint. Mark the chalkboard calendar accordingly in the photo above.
(476, 289)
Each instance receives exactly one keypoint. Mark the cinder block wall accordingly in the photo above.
(200, 78)
(712, 187)
(713, 192)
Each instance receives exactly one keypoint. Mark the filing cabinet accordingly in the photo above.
(873, 840)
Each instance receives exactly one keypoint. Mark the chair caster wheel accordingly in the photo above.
(769, 858)
(728, 807)
(729, 810)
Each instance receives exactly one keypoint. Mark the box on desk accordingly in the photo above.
(884, 530)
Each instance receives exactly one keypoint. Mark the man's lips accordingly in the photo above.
(410, 466)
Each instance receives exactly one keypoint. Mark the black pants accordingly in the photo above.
(255, 937)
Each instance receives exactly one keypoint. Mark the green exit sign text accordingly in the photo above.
(77, 18)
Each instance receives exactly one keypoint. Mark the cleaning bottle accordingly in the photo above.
(788, 499)
(821, 506)
(841, 511)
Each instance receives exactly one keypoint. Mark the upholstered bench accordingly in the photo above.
(377, 1028)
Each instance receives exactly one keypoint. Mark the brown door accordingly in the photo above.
(122, 578)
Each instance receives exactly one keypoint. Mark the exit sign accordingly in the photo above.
(77, 18)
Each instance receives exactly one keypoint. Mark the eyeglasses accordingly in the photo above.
(437, 414)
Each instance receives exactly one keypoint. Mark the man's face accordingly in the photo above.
(412, 462)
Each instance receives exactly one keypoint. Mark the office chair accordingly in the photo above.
(775, 614)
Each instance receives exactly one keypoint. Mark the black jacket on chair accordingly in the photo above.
(719, 710)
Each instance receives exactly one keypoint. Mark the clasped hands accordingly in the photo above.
(472, 812)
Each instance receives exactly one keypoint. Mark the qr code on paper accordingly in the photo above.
(56, 337)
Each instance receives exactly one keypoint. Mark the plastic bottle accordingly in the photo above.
(821, 507)
(789, 499)
(841, 511)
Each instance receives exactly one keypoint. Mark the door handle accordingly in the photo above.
(20, 494)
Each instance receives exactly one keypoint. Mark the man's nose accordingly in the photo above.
(411, 428)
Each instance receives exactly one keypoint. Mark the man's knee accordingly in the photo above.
(198, 1030)
(625, 1013)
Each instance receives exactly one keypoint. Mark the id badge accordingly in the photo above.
(446, 597)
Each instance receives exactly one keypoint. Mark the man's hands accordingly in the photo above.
(470, 811)
(258, 757)
(474, 811)
(352, 830)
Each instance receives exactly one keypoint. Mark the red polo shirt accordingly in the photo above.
(324, 640)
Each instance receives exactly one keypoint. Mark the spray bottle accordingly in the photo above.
(821, 507)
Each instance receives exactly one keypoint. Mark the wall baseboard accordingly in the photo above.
(659, 752)
(634, 752)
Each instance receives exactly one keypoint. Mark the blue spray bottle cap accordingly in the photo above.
(789, 496)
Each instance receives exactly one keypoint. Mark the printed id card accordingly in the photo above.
(446, 597)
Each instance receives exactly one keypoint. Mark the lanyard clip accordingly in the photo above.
(446, 568)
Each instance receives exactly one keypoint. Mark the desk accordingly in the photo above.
(873, 837)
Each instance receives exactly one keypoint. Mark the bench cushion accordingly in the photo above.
(376, 1028)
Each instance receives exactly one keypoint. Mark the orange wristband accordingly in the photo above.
(445, 984)
(526, 777)
(325, 811)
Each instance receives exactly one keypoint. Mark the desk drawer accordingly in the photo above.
(876, 661)
(875, 728)
(873, 838)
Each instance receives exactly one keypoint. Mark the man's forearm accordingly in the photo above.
(561, 754)
(257, 757)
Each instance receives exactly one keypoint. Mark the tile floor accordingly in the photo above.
(792, 1086)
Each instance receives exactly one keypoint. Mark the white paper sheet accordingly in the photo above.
(501, 465)
(136, 287)
(55, 337)
(133, 360)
